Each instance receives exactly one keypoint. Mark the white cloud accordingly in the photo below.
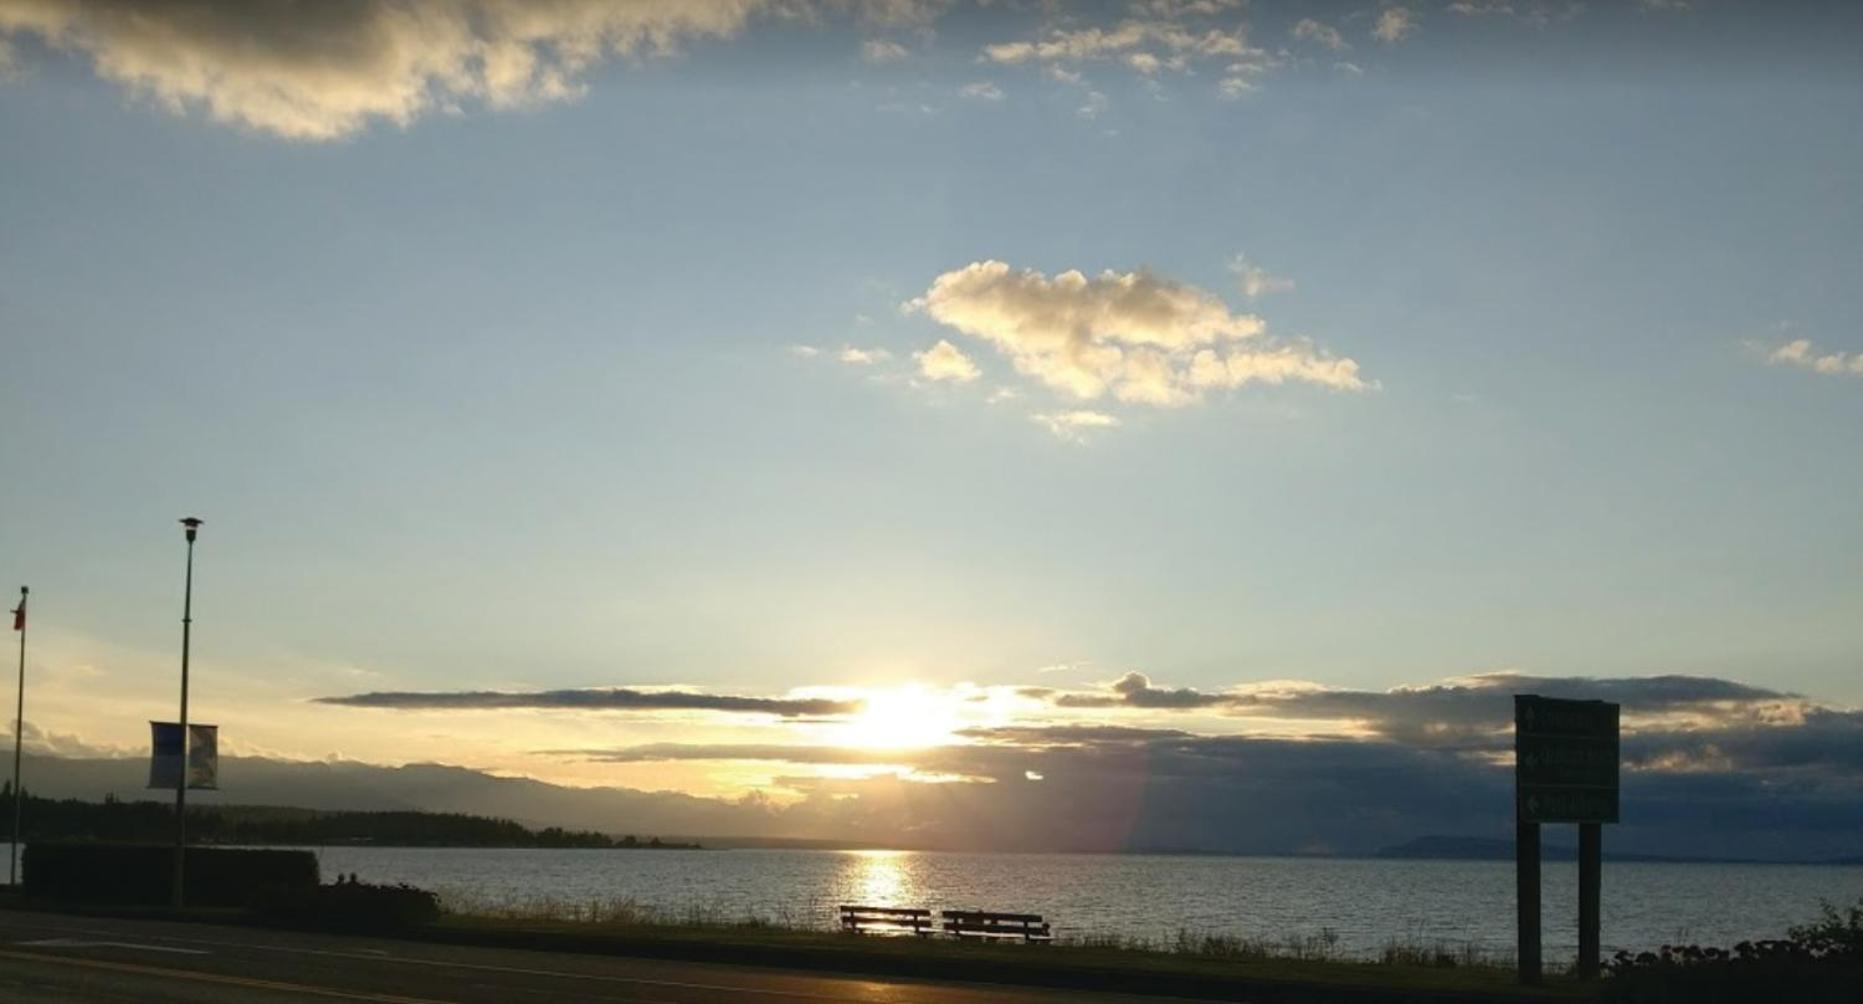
(1144, 62)
(1074, 426)
(1537, 13)
(1393, 24)
(1067, 76)
(1135, 43)
(1092, 107)
(917, 14)
(1178, 9)
(805, 351)
(1135, 336)
(1234, 88)
(854, 356)
(1480, 8)
(877, 50)
(1254, 281)
(982, 90)
(945, 361)
(1804, 355)
(1309, 30)
(321, 71)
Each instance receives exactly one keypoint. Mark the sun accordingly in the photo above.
(906, 717)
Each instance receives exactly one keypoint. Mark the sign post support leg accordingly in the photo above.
(1590, 881)
(1527, 895)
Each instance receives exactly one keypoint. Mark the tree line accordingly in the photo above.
(116, 821)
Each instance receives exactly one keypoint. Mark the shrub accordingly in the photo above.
(350, 906)
(1835, 935)
(1815, 963)
(143, 875)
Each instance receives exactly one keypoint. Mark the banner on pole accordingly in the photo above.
(165, 756)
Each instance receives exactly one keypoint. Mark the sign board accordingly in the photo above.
(165, 755)
(1565, 760)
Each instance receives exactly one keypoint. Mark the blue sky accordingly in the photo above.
(538, 385)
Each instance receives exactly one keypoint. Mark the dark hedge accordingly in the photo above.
(142, 874)
(349, 906)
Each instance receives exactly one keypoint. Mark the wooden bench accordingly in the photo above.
(887, 920)
(983, 924)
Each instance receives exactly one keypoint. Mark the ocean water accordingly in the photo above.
(1364, 904)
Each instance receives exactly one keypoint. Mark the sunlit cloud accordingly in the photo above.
(1135, 336)
(945, 361)
(876, 50)
(1309, 30)
(1255, 281)
(1472, 711)
(1393, 24)
(1074, 426)
(1176, 9)
(1121, 42)
(321, 71)
(1533, 12)
(1159, 39)
(734, 752)
(1801, 353)
(43, 742)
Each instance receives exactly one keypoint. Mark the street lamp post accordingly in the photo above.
(181, 781)
(19, 731)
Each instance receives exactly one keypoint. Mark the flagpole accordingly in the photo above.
(19, 732)
(181, 781)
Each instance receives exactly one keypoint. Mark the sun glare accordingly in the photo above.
(906, 717)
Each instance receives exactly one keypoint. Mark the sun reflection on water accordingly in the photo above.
(881, 878)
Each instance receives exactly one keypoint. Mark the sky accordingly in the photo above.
(791, 397)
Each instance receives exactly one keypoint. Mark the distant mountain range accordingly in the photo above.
(755, 821)
(346, 785)
(1489, 849)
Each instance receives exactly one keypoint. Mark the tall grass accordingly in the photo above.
(618, 911)
(622, 913)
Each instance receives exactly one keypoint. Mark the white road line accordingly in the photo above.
(79, 943)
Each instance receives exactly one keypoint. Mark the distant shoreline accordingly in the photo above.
(1552, 852)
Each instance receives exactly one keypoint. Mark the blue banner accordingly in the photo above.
(203, 754)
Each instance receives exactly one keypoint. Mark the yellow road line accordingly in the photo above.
(221, 978)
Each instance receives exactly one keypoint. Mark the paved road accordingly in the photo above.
(51, 959)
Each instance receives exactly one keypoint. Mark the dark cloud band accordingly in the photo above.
(599, 699)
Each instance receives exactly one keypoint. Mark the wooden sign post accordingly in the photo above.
(1565, 771)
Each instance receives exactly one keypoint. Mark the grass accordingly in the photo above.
(1299, 967)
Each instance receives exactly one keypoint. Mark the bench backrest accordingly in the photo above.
(983, 923)
(886, 917)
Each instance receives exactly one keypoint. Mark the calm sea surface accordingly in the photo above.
(1366, 903)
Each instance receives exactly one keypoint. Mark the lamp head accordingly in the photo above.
(192, 525)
